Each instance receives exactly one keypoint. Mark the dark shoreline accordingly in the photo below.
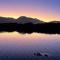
(48, 28)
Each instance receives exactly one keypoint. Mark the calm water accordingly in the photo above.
(16, 46)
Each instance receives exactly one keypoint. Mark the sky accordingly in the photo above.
(46, 10)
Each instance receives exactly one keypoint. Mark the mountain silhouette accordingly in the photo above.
(54, 22)
(23, 20)
(20, 20)
(7, 20)
(28, 25)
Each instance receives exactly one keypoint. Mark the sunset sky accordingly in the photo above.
(46, 10)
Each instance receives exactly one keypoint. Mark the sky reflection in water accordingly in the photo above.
(16, 44)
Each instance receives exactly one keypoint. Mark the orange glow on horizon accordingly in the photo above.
(33, 14)
(45, 19)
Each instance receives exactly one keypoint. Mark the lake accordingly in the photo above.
(18, 46)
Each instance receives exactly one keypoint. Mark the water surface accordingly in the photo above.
(17, 46)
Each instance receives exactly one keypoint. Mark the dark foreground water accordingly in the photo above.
(16, 46)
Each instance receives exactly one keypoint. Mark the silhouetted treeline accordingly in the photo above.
(51, 28)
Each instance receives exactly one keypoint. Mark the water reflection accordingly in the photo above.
(14, 45)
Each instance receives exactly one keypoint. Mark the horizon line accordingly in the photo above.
(27, 17)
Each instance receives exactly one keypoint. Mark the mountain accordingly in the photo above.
(23, 20)
(20, 20)
(7, 20)
(54, 22)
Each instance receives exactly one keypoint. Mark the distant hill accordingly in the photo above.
(29, 25)
(20, 20)
(7, 20)
(54, 22)
(23, 20)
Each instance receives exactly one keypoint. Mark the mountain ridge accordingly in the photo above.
(24, 20)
